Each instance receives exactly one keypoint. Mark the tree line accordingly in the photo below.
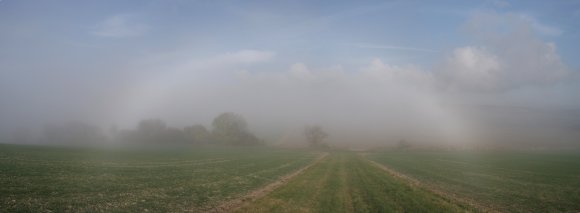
(227, 128)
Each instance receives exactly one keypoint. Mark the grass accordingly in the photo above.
(345, 182)
(501, 181)
(43, 179)
(198, 179)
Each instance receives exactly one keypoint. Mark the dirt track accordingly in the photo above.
(416, 183)
(232, 205)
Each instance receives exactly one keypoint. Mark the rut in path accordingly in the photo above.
(232, 205)
(416, 183)
(345, 182)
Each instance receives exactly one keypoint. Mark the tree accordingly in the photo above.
(229, 124)
(174, 135)
(315, 135)
(231, 128)
(197, 133)
(151, 126)
(151, 131)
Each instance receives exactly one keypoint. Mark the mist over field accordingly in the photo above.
(289, 106)
(489, 73)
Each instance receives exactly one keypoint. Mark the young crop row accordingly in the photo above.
(346, 182)
(501, 181)
(51, 179)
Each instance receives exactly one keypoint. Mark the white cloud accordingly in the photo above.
(410, 75)
(510, 56)
(541, 27)
(390, 47)
(300, 71)
(376, 96)
(245, 57)
(182, 62)
(120, 26)
(378, 100)
(163, 77)
(471, 68)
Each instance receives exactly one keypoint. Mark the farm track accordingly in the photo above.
(217, 179)
(346, 182)
(416, 183)
(513, 181)
(233, 205)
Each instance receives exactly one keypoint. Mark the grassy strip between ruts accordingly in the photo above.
(346, 182)
(239, 202)
(470, 203)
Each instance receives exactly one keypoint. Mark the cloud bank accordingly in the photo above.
(510, 56)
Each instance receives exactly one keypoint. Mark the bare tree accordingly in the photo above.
(315, 135)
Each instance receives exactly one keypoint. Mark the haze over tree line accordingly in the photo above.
(227, 129)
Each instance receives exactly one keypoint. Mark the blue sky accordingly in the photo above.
(125, 60)
(310, 31)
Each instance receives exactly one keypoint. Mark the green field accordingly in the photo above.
(345, 182)
(45, 179)
(201, 179)
(498, 181)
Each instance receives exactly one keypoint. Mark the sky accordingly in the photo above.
(286, 63)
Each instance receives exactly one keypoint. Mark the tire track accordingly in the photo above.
(232, 205)
(418, 184)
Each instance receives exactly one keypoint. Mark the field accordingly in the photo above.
(205, 179)
(44, 179)
(496, 181)
(346, 182)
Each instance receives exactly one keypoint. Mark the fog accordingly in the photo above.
(499, 81)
